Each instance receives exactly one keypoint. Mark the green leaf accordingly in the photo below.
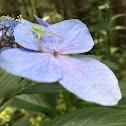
(3, 107)
(22, 122)
(113, 18)
(99, 26)
(95, 57)
(11, 85)
(110, 64)
(42, 88)
(122, 84)
(35, 102)
(92, 116)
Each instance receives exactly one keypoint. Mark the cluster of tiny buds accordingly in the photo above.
(7, 25)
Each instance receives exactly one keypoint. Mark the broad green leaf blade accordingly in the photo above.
(42, 88)
(92, 116)
(11, 85)
(35, 102)
(3, 107)
(122, 84)
(95, 57)
(7, 83)
(110, 64)
(99, 26)
(22, 122)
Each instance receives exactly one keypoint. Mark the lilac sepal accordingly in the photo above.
(41, 22)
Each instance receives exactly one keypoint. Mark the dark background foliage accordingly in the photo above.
(26, 103)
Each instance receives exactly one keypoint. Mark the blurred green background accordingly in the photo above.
(106, 20)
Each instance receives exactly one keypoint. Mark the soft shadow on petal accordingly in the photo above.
(4, 48)
(90, 80)
(39, 67)
(41, 22)
(77, 38)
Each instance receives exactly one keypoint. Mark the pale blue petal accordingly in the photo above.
(90, 80)
(40, 21)
(77, 38)
(39, 67)
(24, 36)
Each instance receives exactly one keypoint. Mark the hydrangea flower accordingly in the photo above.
(86, 77)
(7, 26)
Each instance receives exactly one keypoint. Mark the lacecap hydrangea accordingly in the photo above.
(7, 26)
(85, 77)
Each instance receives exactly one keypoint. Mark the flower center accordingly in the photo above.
(54, 52)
